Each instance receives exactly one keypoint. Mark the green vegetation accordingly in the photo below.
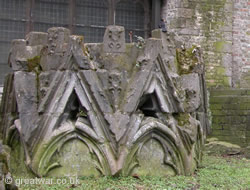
(215, 173)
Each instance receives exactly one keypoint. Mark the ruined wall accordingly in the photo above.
(208, 24)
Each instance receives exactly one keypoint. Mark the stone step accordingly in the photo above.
(229, 99)
(230, 112)
(230, 107)
(229, 92)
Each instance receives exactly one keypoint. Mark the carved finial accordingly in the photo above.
(114, 39)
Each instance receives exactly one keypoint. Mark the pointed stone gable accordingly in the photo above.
(111, 106)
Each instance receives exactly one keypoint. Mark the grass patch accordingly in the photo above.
(216, 172)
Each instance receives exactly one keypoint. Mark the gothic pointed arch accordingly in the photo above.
(113, 105)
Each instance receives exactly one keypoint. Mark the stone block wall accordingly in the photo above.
(208, 24)
(241, 42)
(222, 29)
(231, 115)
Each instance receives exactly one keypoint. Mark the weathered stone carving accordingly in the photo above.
(126, 114)
(114, 39)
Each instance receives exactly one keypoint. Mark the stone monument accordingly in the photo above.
(111, 108)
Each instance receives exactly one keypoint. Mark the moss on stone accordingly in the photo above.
(211, 26)
(34, 64)
(75, 159)
(182, 119)
(222, 147)
(220, 71)
(219, 45)
(151, 161)
(17, 161)
(186, 60)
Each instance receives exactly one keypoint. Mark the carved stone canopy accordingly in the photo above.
(110, 109)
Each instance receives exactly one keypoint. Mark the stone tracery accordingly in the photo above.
(120, 111)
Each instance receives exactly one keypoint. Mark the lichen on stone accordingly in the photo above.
(187, 60)
(34, 64)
